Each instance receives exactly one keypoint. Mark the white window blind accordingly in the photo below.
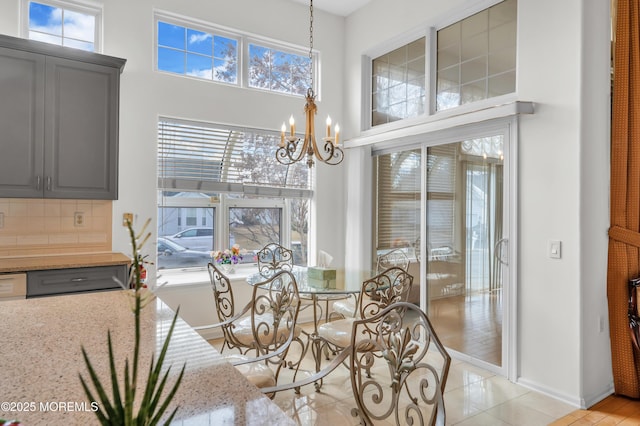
(398, 193)
(208, 157)
(441, 187)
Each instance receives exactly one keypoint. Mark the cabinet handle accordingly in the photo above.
(38, 182)
(48, 183)
(79, 280)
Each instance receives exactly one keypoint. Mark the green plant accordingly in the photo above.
(119, 409)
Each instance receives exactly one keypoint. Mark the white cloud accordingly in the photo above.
(197, 38)
(76, 25)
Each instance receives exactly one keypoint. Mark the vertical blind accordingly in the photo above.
(208, 157)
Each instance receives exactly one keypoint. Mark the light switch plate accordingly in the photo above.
(555, 249)
(1, 219)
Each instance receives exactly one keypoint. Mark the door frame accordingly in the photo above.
(508, 128)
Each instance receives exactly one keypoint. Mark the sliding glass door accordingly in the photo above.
(444, 206)
(465, 243)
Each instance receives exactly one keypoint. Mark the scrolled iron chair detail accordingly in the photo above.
(273, 315)
(396, 258)
(391, 286)
(404, 385)
(272, 258)
(236, 335)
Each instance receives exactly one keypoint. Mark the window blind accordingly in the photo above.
(398, 196)
(441, 187)
(207, 157)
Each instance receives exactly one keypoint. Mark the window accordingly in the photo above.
(398, 86)
(208, 52)
(278, 71)
(227, 177)
(474, 58)
(477, 57)
(201, 54)
(63, 23)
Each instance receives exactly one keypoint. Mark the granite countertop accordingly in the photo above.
(41, 358)
(61, 261)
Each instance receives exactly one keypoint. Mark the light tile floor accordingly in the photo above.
(473, 396)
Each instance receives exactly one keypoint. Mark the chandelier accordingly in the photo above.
(293, 149)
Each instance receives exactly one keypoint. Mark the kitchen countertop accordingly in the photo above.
(61, 261)
(41, 358)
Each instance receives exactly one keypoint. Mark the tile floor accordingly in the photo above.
(473, 396)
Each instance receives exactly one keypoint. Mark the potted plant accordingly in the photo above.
(122, 407)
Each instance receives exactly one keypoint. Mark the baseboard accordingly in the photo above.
(582, 402)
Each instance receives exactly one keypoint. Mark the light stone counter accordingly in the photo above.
(40, 360)
(61, 261)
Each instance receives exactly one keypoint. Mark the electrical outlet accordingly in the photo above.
(127, 217)
(78, 219)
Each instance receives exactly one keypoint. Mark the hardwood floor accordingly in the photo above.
(613, 410)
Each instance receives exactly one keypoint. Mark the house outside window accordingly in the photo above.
(230, 176)
(63, 23)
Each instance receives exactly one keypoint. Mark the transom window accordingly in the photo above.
(398, 86)
(205, 51)
(278, 71)
(63, 23)
(201, 54)
(475, 59)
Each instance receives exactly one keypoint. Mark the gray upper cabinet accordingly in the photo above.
(58, 121)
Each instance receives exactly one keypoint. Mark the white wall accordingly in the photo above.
(563, 178)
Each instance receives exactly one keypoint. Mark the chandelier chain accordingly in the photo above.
(311, 42)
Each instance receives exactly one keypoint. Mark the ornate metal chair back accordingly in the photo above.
(274, 257)
(393, 258)
(274, 313)
(391, 286)
(409, 364)
(222, 293)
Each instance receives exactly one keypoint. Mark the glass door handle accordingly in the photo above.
(498, 251)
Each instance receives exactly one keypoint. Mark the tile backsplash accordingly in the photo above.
(47, 226)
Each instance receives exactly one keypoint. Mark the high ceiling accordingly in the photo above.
(337, 7)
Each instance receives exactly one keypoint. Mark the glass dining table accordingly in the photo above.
(347, 283)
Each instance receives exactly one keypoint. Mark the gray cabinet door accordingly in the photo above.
(81, 126)
(21, 123)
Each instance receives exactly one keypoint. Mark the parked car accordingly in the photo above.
(173, 255)
(197, 238)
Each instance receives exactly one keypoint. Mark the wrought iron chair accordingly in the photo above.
(410, 367)
(391, 286)
(273, 314)
(394, 258)
(236, 326)
(272, 258)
